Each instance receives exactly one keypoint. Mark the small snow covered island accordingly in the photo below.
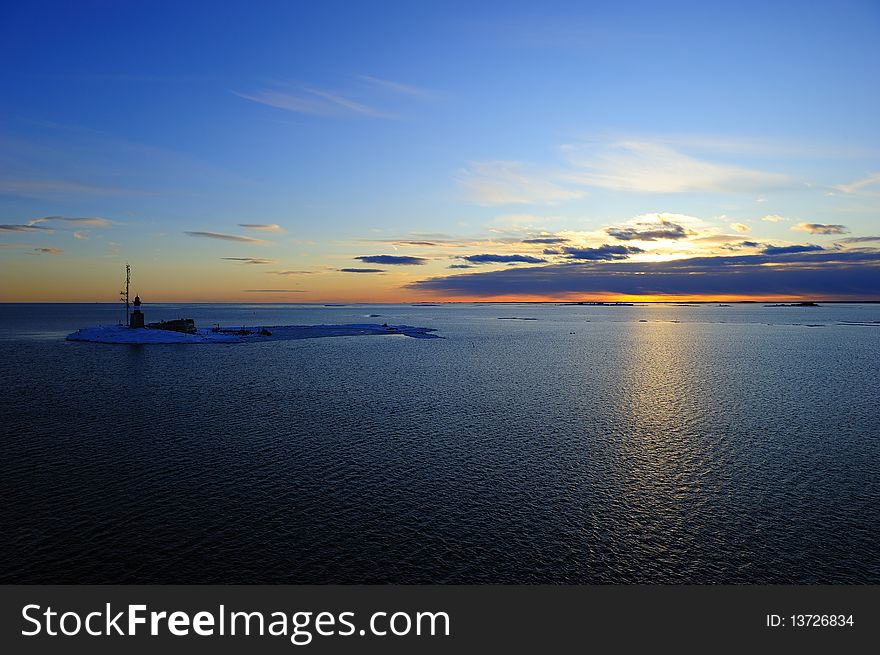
(184, 330)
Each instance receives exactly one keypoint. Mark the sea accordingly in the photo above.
(534, 443)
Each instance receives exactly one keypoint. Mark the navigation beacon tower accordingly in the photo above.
(133, 319)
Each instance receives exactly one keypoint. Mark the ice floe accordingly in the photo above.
(123, 334)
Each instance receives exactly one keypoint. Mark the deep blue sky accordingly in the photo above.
(354, 127)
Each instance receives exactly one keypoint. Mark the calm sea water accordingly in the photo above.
(648, 444)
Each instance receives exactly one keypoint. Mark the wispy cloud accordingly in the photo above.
(361, 270)
(290, 102)
(773, 218)
(249, 260)
(652, 167)
(308, 100)
(396, 87)
(742, 228)
(303, 99)
(820, 228)
(262, 227)
(625, 165)
(49, 251)
(48, 223)
(513, 183)
(858, 185)
(338, 100)
(224, 237)
(23, 228)
(90, 221)
(273, 290)
(290, 272)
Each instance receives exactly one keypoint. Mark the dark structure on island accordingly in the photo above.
(135, 318)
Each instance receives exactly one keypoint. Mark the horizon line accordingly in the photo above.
(456, 302)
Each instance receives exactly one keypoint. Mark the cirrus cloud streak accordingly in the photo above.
(223, 237)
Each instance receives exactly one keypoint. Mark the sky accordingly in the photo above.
(439, 151)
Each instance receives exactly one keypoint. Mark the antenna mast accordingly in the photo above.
(124, 294)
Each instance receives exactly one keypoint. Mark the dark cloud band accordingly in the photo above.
(503, 259)
(602, 253)
(393, 260)
(826, 274)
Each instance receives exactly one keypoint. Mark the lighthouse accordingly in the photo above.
(137, 316)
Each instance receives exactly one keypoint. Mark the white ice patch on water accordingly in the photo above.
(123, 334)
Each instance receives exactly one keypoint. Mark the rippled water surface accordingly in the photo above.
(651, 444)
